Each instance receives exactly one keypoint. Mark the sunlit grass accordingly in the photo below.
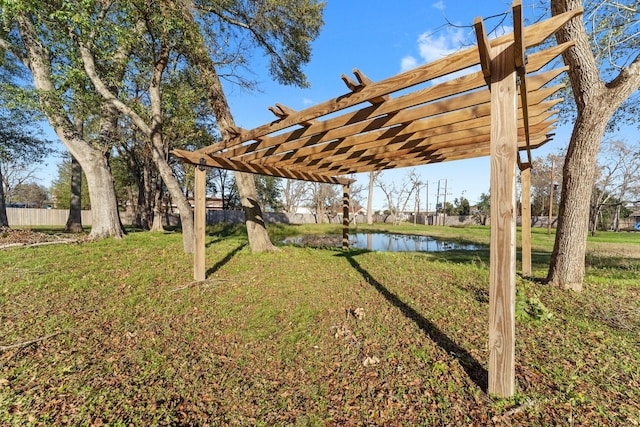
(274, 338)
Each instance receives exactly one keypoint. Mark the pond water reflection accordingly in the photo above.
(386, 242)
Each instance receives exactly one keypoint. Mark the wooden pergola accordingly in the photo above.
(499, 106)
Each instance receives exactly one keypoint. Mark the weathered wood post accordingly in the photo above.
(525, 230)
(499, 68)
(345, 216)
(200, 220)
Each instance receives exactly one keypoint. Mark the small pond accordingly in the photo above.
(385, 242)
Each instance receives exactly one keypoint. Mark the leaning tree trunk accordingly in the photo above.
(568, 256)
(596, 101)
(160, 154)
(74, 220)
(259, 240)
(258, 237)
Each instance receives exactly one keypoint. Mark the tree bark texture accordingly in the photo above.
(74, 220)
(596, 102)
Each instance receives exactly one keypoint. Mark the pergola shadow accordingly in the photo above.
(218, 265)
(476, 372)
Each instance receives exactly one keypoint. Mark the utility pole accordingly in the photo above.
(437, 203)
(426, 221)
(444, 204)
(417, 204)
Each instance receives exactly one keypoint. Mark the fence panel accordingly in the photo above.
(31, 217)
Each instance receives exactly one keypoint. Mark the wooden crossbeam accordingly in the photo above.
(412, 152)
(223, 163)
(465, 133)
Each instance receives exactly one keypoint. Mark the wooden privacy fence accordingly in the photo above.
(30, 217)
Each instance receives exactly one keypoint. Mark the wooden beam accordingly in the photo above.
(525, 229)
(345, 217)
(223, 163)
(200, 220)
(504, 137)
(484, 48)
(518, 34)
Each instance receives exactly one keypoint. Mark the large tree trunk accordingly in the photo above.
(74, 220)
(105, 221)
(4, 221)
(568, 256)
(596, 101)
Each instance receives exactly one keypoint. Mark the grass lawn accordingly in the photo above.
(309, 336)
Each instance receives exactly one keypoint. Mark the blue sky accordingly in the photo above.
(381, 38)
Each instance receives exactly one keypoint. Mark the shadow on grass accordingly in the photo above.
(218, 265)
(472, 367)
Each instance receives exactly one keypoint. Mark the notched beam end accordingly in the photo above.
(362, 82)
(235, 132)
(484, 48)
(281, 111)
(351, 85)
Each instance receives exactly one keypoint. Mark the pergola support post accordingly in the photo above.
(525, 231)
(502, 289)
(345, 216)
(200, 223)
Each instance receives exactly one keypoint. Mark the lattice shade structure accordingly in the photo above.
(493, 102)
(389, 126)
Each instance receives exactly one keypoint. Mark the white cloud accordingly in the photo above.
(408, 62)
(307, 101)
(439, 5)
(433, 47)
